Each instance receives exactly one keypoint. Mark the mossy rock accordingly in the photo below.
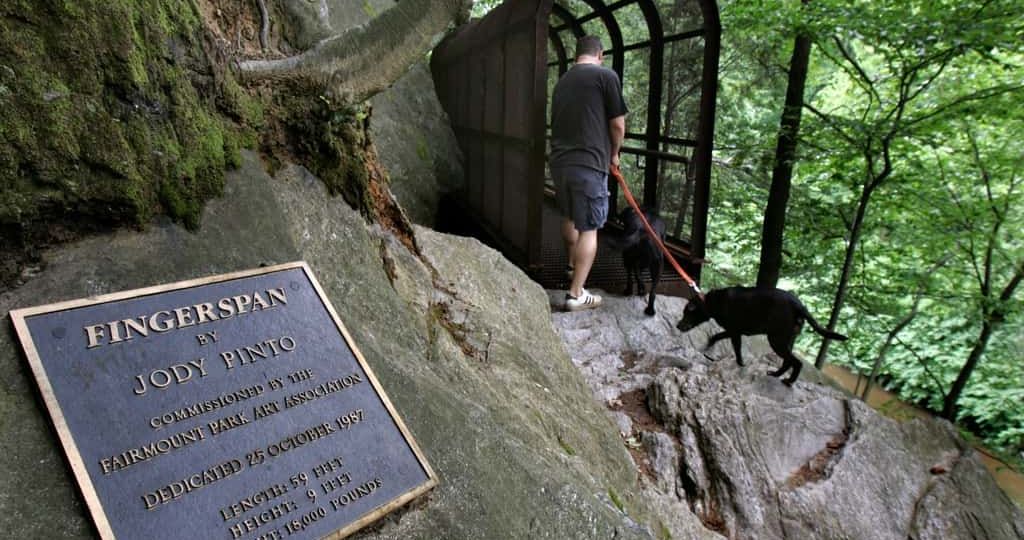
(111, 112)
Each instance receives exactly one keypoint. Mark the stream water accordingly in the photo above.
(887, 403)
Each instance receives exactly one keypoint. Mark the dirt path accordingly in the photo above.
(887, 403)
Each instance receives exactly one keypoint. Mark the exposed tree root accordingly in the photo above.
(364, 60)
(264, 24)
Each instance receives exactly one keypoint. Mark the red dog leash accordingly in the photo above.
(617, 173)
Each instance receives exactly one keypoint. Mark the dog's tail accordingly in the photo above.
(818, 327)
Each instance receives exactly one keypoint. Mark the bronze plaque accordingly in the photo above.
(232, 407)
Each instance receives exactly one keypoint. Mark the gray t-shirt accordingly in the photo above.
(584, 100)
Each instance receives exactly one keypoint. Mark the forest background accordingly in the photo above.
(904, 213)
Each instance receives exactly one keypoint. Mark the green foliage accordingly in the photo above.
(928, 81)
(331, 137)
(934, 81)
(368, 10)
(481, 7)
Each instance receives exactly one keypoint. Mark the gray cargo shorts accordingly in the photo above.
(582, 196)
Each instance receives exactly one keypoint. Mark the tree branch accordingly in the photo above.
(859, 72)
(968, 226)
(934, 76)
(974, 96)
(892, 335)
(830, 122)
(1011, 286)
(264, 24)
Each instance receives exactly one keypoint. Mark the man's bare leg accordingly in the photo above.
(583, 259)
(569, 236)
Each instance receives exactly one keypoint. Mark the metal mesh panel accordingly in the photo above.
(495, 75)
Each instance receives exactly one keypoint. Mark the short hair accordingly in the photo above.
(588, 46)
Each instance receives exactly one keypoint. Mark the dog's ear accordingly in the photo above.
(694, 313)
(695, 301)
(694, 306)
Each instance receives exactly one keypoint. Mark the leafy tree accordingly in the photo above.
(756, 38)
(782, 173)
(892, 335)
(905, 306)
(895, 88)
(996, 261)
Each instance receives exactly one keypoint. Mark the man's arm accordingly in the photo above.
(616, 132)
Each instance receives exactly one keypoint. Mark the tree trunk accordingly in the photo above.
(684, 204)
(672, 99)
(782, 173)
(844, 277)
(991, 320)
(949, 404)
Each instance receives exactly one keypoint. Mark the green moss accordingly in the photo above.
(136, 67)
(332, 137)
(422, 151)
(111, 112)
(242, 107)
(171, 197)
(232, 150)
(72, 8)
(616, 500)
(368, 9)
(569, 450)
(107, 116)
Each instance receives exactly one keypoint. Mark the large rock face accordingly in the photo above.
(416, 144)
(751, 458)
(460, 339)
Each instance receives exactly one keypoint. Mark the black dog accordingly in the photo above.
(639, 251)
(746, 311)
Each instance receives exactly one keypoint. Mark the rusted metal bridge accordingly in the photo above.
(494, 77)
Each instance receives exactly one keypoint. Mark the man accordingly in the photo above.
(588, 123)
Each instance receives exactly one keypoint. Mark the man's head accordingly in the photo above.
(589, 46)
